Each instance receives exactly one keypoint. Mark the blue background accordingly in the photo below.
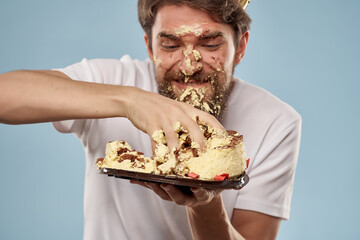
(305, 53)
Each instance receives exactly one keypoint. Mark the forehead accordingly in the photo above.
(183, 20)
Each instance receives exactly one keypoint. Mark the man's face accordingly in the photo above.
(194, 57)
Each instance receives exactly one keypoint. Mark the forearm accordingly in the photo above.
(45, 96)
(210, 221)
(41, 96)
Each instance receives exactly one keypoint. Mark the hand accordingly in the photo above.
(150, 112)
(168, 192)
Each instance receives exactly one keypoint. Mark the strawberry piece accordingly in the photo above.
(247, 162)
(219, 178)
(226, 175)
(193, 175)
(222, 177)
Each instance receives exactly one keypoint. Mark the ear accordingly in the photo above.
(150, 52)
(240, 51)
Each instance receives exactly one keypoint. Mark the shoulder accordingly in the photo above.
(272, 131)
(260, 116)
(124, 62)
(256, 101)
(123, 71)
(123, 67)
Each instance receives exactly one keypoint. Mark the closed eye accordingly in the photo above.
(170, 47)
(211, 46)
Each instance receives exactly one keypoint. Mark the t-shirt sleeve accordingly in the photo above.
(96, 71)
(272, 173)
(124, 72)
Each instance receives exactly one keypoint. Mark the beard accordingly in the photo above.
(215, 104)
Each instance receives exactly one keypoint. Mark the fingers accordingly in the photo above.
(172, 193)
(159, 191)
(200, 194)
(205, 195)
(203, 116)
(154, 187)
(141, 183)
(154, 112)
(171, 136)
(210, 120)
(186, 116)
(177, 195)
(195, 132)
(168, 192)
(153, 145)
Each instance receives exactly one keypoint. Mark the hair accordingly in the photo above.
(223, 11)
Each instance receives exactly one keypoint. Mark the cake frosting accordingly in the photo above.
(224, 155)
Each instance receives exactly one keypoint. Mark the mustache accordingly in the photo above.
(199, 77)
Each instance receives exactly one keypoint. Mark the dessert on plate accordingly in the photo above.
(224, 157)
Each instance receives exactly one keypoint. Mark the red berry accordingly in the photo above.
(193, 175)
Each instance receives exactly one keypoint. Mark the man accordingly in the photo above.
(194, 47)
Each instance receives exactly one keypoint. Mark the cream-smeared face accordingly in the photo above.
(194, 57)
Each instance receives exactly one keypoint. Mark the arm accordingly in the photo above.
(211, 220)
(208, 218)
(44, 96)
(255, 225)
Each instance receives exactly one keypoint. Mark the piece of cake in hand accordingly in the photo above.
(223, 158)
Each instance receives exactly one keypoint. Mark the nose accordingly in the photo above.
(191, 61)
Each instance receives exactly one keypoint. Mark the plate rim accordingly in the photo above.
(236, 183)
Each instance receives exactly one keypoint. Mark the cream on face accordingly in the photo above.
(191, 54)
(186, 29)
(191, 61)
(186, 46)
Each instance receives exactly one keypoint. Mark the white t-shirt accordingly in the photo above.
(116, 209)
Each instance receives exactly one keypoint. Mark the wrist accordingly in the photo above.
(215, 206)
(211, 214)
(121, 100)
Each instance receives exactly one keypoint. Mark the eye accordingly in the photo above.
(169, 47)
(212, 43)
(211, 46)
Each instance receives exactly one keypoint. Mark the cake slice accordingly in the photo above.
(120, 155)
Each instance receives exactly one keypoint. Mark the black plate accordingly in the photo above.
(236, 183)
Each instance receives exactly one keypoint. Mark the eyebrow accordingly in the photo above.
(167, 35)
(202, 37)
(212, 35)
